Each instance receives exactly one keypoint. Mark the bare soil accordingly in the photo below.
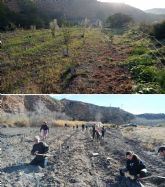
(72, 163)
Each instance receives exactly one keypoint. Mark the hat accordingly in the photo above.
(37, 138)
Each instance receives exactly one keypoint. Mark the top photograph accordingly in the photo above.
(82, 47)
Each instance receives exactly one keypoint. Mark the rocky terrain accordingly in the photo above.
(73, 163)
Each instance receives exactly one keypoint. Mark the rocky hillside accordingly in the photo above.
(73, 109)
(19, 104)
(89, 112)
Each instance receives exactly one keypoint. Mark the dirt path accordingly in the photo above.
(99, 69)
(73, 163)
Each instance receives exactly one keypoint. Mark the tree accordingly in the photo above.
(66, 37)
(118, 20)
(85, 23)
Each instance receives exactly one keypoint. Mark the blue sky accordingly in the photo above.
(136, 104)
(142, 4)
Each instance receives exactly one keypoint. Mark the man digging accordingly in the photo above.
(39, 150)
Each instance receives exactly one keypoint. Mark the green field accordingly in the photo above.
(33, 62)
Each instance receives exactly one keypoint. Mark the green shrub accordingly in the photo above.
(144, 59)
(139, 50)
(158, 30)
(118, 20)
(161, 78)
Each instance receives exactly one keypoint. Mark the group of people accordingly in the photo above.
(97, 133)
(134, 165)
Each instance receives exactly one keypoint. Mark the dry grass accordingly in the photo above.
(25, 121)
(61, 123)
(150, 137)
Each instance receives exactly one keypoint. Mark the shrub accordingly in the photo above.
(161, 78)
(158, 30)
(118, 20)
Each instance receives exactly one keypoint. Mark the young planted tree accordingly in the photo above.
(54, 27)
(85, 24)
(66, 38)
(99, 24)
(108, 36)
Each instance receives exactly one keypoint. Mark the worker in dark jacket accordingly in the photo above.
(161, 151)
(93, 131)
(103, 132)
(134, 166)
(39, 150)
(44, 130)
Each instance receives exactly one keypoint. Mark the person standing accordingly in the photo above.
(44, 130)
(103, 132)
(93, 131)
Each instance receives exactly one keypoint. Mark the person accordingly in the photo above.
(44, 130)
(103, 132)
(86, 127)
(98, 135)
(83, 127)
(93, 131)
(161, 151)
(39, 150)
(134, 166)
(77, 126)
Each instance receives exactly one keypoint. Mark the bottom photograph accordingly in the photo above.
(82, 140)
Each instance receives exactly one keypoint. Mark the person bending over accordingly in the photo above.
(161, 152)
(134, 166)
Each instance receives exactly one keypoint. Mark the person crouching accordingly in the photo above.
(39, 150)
(134, 166)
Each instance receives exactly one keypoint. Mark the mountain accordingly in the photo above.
(93, 9)
(156, 11)
(89, 112)
(47, 107)
(79, 9)
(76, 110)
(152, 116)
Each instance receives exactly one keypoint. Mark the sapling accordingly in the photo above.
(54, 27)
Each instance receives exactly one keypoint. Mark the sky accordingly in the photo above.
(141, 4)
(136, 104)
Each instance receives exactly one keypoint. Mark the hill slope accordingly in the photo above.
(93, 9)
(74, 109)
(77, 10)
(156, 11)
(49, 107)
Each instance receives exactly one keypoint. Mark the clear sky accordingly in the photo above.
(136, 104)
(141, 4)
